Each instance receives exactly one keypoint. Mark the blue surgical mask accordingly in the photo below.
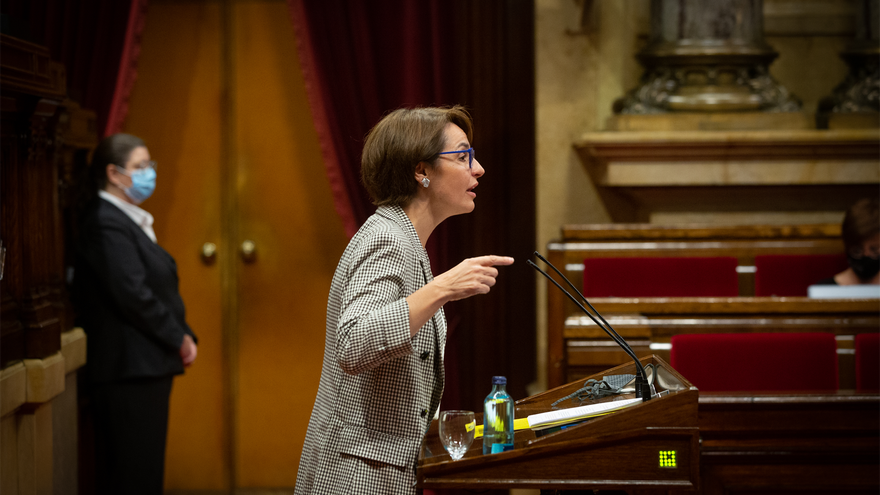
(143, 183)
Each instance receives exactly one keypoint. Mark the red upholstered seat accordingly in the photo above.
(661, 277)
(757, 362)
(868, 362)
(790, 275)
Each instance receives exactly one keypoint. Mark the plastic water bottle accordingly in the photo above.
(498, 418)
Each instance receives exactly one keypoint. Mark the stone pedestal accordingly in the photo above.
(855, 102)
(706, 56)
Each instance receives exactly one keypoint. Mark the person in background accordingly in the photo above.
(382, 376)
(125, 291)
(861, 238)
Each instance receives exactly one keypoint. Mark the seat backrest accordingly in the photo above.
(661, 277)
(758, 362)
(790, 275)
(868, 362)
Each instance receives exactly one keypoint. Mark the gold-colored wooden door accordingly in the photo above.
(285, 207)
(221, 103)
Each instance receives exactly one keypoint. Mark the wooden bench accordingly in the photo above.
(578, 348)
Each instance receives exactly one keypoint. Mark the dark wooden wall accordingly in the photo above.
(43, 135)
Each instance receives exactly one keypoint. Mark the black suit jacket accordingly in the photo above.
(125, 289)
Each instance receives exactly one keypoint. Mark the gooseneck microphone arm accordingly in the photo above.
(605, 325)
(614, 336)
(643, 388)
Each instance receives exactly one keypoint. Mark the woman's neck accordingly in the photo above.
(848, 277)
(422, 217)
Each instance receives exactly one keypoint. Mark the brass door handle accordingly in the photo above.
(209, 253)
(248, 251)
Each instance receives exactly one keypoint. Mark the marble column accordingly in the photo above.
(705, 56)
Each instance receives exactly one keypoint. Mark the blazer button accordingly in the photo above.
(425, 355)
(424, 412)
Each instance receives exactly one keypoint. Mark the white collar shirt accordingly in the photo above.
(138, 215)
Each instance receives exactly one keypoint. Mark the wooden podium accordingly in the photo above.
(653, 445)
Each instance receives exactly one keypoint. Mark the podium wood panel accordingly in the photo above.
(619, 451)
(826, 443)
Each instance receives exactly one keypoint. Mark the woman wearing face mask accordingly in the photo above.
(125, 290)
(861, 237)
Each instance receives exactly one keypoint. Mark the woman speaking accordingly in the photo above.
(382, 377)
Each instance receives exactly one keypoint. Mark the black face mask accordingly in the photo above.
(865, 267)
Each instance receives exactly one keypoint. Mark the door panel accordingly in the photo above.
(175, 109)
(260, 405)
(286, 208)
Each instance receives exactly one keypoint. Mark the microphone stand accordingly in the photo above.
(643, 388)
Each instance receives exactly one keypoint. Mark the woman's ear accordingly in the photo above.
(112, 174)
(421, 171)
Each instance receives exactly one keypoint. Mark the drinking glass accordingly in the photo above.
(457, 432)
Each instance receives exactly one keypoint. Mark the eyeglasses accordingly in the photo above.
(146, 164)
(469, 151)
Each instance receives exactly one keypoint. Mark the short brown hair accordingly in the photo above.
(399, 142)
(861, 222)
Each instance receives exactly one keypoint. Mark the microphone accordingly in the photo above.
(643, 388)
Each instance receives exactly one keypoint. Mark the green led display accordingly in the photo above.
(667, 459)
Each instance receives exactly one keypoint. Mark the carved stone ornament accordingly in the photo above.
(664, 89)
(860, 91)
(706, 56)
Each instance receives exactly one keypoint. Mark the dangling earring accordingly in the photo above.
(425, 181)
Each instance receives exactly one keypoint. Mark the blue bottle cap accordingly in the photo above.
(499, 380)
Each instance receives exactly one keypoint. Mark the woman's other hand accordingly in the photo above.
(188, 350)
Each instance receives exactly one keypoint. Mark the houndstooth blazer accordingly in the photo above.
(379, 387)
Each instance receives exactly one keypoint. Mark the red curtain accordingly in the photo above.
(127, 72)
(363, 59)
(360, 60)
(98, 42)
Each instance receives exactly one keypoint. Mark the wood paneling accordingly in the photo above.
(37, 139)
(285, 207)
(789, 443)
